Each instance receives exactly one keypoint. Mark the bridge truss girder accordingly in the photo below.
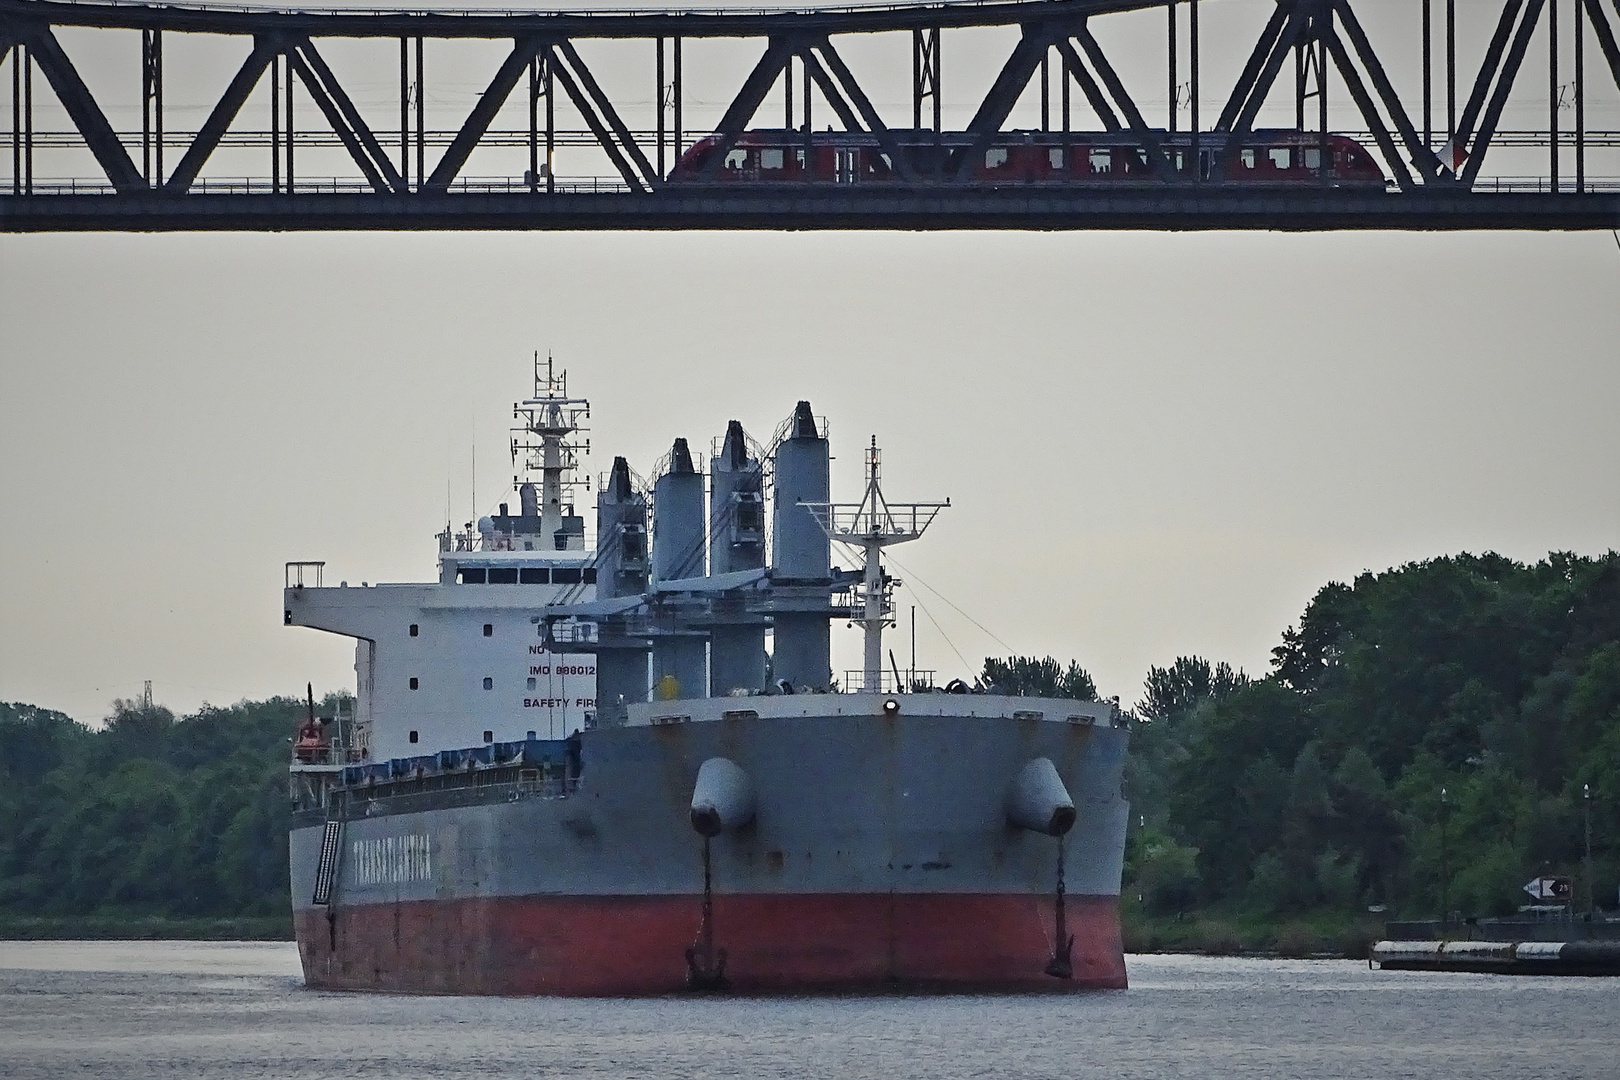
(1321, 35)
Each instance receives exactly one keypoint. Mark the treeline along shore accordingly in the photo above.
(1292, 811)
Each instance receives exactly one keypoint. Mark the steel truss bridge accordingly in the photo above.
(388, 169)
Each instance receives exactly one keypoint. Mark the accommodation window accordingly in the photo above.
(413, 682)
(489, 736)
(413, 736)
(533, 575)
(472, 575)
(489, 683)
(413, 629)
(489, 629)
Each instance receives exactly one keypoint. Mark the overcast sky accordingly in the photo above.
(1155, 444)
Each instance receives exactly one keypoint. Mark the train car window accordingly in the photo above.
(1055, 157)
(888, 163)
(1102, 160)
(995, 157)
(799, 154)
(737, 159)
(770, 158)
(1313, 158)
(845, 173)
(1282, 157)
(1247, 157)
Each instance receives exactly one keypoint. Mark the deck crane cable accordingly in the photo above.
(910, 574)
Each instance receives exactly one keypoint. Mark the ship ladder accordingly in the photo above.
(326, 873)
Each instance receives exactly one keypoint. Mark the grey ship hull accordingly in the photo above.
(880, 856)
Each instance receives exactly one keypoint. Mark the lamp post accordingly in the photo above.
(1591, 885)
(1445, 868)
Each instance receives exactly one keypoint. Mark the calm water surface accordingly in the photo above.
(141, 1009)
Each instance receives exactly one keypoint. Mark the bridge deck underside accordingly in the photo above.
(916, 209)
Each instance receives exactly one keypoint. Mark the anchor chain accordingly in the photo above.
(706, 965)
(1061, 966)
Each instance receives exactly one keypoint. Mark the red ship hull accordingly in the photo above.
(621, 946)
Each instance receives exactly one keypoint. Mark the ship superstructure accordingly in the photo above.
(697, 802)
(461, 661)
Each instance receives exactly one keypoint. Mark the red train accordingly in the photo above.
(1025, 157)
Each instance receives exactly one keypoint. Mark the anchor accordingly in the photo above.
(705, 964)
(1061, 966)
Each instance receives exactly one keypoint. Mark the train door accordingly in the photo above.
(847, 165)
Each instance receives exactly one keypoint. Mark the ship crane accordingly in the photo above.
(867, 527)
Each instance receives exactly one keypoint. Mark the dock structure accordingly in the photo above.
(584, 119)
(1500, 957)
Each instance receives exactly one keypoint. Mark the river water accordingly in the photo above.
(145, 1009)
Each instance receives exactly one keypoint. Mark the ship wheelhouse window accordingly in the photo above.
(413, 682)
(590, 575)
(566, 575)
(413, 629)
(503, 575)
(534, 575)
(489, 684)
(472, 575)
(489, 629)
(413, 736)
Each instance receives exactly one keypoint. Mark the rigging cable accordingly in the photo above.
(941, 629)
(1010, 650)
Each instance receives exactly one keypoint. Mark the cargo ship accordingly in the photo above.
(627, 768)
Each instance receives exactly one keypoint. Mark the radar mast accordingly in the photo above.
(546, 441)
(868, 527)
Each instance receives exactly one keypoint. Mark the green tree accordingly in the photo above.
(1025, 676)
